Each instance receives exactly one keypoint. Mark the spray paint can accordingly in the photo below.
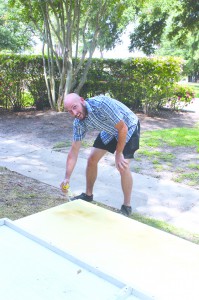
(66, 187)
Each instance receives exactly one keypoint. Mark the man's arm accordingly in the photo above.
(122, 128)
(71, 162)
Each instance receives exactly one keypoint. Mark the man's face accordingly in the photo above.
(77, 109)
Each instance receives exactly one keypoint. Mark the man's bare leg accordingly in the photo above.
(127, 184)
(91, 170)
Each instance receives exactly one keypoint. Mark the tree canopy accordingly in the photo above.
(14, 35)
(171, 19)
(169, 27)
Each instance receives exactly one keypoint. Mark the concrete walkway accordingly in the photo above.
(160, 199)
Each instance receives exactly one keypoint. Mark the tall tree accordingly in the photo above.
(189, 51)
(71, 29)
(169, 27)
(170, 18)
(147, 35)
(14, 36)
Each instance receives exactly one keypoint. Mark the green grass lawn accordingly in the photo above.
(170, 150)
(175, 137)
(195, 87)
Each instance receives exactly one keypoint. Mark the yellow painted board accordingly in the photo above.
(160, 263)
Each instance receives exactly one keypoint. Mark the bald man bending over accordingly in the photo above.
(119, 134)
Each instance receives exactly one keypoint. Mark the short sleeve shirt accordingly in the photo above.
(103, 113)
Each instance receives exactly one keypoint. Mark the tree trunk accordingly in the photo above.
(68, 22)
(45, 77)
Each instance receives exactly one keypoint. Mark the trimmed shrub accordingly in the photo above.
(182, 96)
(19, 75)
(140, 83)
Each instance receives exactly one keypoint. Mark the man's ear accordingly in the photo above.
(82, 100)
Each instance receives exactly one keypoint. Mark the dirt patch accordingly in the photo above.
(21, 196)
(46, 128)
(41, 128)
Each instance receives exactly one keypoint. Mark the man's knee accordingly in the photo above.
(92, 160)
(126, 169)
(95, 156)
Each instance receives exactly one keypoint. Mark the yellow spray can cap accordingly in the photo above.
(66, 186)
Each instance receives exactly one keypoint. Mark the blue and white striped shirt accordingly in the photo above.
(103, 114)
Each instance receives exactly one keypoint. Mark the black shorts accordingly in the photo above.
(130, 147)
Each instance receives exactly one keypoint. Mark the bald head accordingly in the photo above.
(71, 98)
(75, 105)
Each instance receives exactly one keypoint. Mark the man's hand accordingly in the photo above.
(64, 186)
(120, 162)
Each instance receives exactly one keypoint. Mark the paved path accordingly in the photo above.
(160, 199)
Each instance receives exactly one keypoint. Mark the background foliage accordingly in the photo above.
(169, 27)
(140, 83)
(20, 75)
(71, 29)
(15, 36)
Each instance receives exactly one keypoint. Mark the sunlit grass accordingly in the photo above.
(87, 143)
(159, 147)
(195, 87)
(157, 154)
(61, 145)
(193, 166)
(174, 137)
(158, 167)
(192, 178)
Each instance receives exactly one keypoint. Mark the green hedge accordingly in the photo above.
(19, 75)
(139, 83)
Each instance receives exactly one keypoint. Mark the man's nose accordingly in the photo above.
(72, 113)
